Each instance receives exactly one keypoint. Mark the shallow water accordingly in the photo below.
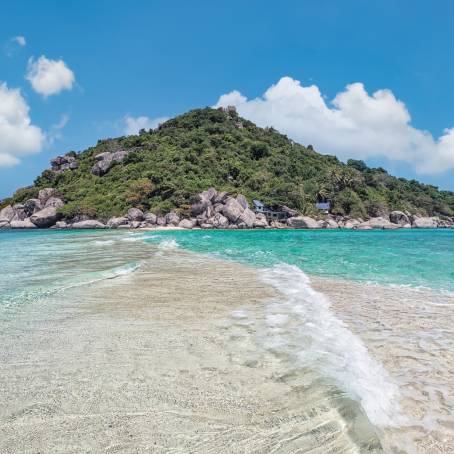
(411, 257)
(347, 365)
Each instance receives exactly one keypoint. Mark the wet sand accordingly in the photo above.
(165, 360)
(411, 332)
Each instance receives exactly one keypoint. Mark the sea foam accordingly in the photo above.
(168, 245)
(324, 343)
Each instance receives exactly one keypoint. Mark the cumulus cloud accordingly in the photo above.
(18, 137)
(134, 124)
(355, 124)
(49, 77)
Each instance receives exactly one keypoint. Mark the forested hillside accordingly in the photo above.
(163, 169)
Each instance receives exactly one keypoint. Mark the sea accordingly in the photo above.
(366, 315)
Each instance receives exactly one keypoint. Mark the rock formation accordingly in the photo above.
(104, 161)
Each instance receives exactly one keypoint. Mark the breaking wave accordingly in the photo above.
(324, 343)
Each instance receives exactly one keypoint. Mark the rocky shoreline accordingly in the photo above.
(212, 210)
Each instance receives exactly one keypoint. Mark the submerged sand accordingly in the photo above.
(164, 360)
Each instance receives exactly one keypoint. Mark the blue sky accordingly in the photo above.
(157, 59)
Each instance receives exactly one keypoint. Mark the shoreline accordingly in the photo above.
(167, 337)
(176, 365)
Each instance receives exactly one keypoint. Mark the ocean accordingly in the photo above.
(362, 319)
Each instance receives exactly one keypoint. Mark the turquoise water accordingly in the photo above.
(405, 257)
(408, 333)
(40, 261)
(37, 263)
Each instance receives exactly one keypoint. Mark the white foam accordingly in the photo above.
(325, 343)
(113, 273)
(134, 237)
(103, 242)
(168, 245)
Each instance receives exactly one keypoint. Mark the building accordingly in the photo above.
(270, 213)
(323, 206)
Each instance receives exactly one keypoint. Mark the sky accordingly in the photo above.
(370, 79)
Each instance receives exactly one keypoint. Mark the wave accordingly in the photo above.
(133, 237)
(168, 245)
(324, 343)
(103, 242)
(33, 294)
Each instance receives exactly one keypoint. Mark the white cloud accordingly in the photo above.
(19, 40)
(13, 44)
(353, 125)
(55, 130)
(134, 124)
(49, 77)
(18, 137)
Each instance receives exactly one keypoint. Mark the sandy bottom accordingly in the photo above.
(411, 332)
(163, 360)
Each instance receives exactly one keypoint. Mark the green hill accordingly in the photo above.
(165, 168)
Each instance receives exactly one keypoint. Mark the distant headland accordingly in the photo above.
(210, 168)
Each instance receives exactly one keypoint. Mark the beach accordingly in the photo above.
(179, 351)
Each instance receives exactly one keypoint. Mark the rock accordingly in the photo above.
(424, 223)
(363, 226)
(199, 208)
(232, 209)
(90, 224)
(45, 217)
(61, 225)
(302, 222)
(329, 224)
(209, 195)
(7, 214)
(61, 163)
(260, 221)
(242, 201)
(25, 224)
(406, 226)
(221, 197)
(398, 217)
(232, 227)
(217, 208)
(209, 212)
(278, 225)
(104, 161)
(115, 222)
(204, 201)
(247, 217)
(351, 223)
(219, 221)
(445, 224)
(45, 194)
(20, 213)
(135, 224)
(134, 214)
(124, 226)
(150, 218)
(187, 223)
(172, 218)
(161, 221)
(54, 202)
(31, 206)
(206, 226)
(382, 223)
(4, 224)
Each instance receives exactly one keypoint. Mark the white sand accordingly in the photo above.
(164, 360)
